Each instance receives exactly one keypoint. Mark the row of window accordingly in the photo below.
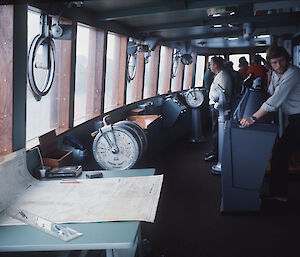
(152, 78)
(100, 79)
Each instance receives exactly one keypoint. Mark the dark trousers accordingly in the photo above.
(282, 152)
(214, 129)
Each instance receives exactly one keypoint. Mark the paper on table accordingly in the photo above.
(91, 200)
(14, 177)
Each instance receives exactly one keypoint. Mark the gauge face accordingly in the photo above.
(194, 98)
(140, 134)
(127, 153)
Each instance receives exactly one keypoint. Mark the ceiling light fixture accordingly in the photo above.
(221, 11)
(232, 38)
(262, 36)
(260, 43)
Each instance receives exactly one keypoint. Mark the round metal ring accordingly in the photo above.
(38, 41)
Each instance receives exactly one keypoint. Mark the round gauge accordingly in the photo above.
(123, 156)
(138, 131)
(194, 97)
(56, 31)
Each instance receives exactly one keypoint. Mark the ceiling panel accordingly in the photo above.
(185, 20)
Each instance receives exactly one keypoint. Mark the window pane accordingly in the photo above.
(209, 57)
(52, 111)
(164, 70)
(235, 59)
(263, 55)
(88, 77)
(177, 72)
(135, 86)
(200, 65)
(115, 71)
(81, 74)
(41, 116)
(151, 73)
(188, 75)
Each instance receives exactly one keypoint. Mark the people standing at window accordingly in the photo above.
(259, 70)
(222, 80)
(236, 79)
(243, 67)
(208, 78)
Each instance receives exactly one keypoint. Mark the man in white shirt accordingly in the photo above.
(222, 80)
(285, 89)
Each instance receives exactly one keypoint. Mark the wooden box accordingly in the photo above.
(51, 155)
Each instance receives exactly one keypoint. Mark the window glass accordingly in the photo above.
(177, 72)
(209, 57)
(115, 71)
(134, 87)
(164, 70)
(151, 74)
(235, 59)
(188, 75)
(81, 74)
(263, 55)
(41, 116)
(88, 76)
(200, 65)
(52, 111)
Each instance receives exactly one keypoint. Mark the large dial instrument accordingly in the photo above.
(119, 145)
(194, 97)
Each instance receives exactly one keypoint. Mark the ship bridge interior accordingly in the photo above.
(74, 72)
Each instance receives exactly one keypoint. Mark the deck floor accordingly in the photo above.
(189, 223)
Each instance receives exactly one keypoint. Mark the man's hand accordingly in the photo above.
(246, 122)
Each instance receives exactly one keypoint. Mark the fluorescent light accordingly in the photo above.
(232, 38)
(260, 43)
(262, 36)
(218, 26)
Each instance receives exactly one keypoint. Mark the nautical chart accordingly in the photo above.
(86, 200)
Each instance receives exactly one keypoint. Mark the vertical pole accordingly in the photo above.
(19, 75)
